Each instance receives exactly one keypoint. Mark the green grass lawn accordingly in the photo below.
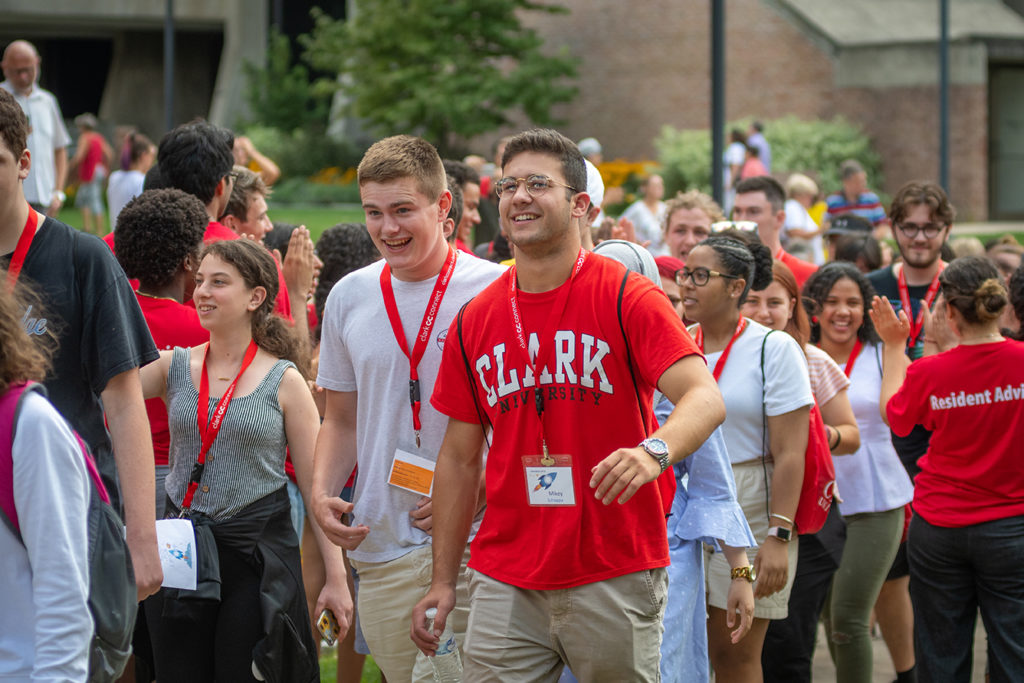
(316, 218)
(329, 668)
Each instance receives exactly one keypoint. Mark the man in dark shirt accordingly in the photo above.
(99, 338)
(922, 218)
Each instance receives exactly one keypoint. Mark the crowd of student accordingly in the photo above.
(589, 459)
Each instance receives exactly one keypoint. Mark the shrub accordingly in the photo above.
(302, 153)
(305, 191)
(815, 148)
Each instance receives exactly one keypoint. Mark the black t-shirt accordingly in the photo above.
(915, 444)
(100, 330)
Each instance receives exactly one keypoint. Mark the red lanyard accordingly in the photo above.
(720, 365)
(21, 250)
(429, 316)
(554, 317)
(918, 322)
(853, 357)
(209, 433)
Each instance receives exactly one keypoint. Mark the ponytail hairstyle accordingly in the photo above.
(257, 268)
(741, 254)
(973, 285)
(798, 326)
(817, 289)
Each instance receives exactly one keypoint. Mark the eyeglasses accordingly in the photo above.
(700, 276)
(930, 230)
(744, 226)
(536, 185)
(234, 175)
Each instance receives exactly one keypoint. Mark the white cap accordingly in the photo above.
(595, 185)
(633, 256)
(589, 146)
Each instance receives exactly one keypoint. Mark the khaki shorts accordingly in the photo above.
(387, 593)
(606, 631)
(751, 491)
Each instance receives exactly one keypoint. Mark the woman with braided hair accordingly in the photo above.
(966, 545)
(764, 381)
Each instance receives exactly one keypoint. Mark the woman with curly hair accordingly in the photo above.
(873, 487)
(234, 405)
(789, 643)
(763, 379)
(966, 546)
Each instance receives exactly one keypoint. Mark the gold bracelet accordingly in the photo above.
(784, 518)
(744, 573)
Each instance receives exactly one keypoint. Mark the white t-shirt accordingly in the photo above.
(47, 133)
(787, 387)
(648, 225)
(873, 479)
(797, 218)
(122, 187)
(45, 625)
(358, 352)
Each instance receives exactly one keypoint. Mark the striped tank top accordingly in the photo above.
(246, 461)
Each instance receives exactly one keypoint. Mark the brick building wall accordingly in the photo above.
(648, 63)
(904, 126)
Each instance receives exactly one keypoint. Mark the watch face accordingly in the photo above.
(655, 447)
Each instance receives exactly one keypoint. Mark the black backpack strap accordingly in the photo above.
(629, 354)
(481, 415)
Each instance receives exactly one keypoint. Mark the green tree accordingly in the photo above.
(446, 70)
(281, 94)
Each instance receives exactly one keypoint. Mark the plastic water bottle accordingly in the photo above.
(446, 662)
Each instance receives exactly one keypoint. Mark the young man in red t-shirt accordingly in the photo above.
(762, 199)
(570, 556)
(157, 243)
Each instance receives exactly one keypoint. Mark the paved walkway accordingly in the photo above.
(823, 671)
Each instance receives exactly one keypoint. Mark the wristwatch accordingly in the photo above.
(60, 196)
(781, 533)
(744, 573)
(657, 449)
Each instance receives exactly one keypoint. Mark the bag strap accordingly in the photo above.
(629, 354)
(481, 415)
(10, 407)
(764, 429)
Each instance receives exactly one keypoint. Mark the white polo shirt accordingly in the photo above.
(47, 133)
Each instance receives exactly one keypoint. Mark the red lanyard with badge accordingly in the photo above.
(549, 479)
(698, 338)
(426, 325)
(208, 432)
(917, 323)
(21, 250)
(410, 471)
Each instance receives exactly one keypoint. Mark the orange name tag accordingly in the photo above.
(412, 473)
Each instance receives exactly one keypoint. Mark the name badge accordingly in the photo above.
(412, 473)
(549, 480)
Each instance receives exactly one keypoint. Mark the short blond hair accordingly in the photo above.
(694, 199)
(404, 156)
(799, 184)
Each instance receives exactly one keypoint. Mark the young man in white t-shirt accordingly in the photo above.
(373, 376)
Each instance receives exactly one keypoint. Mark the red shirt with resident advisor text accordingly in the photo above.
(590, 410)
(972, 399)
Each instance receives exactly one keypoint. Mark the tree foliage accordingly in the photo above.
(281, 95)
(445, 70)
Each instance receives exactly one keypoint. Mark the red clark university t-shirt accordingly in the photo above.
(590, 410)
(972, 398)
